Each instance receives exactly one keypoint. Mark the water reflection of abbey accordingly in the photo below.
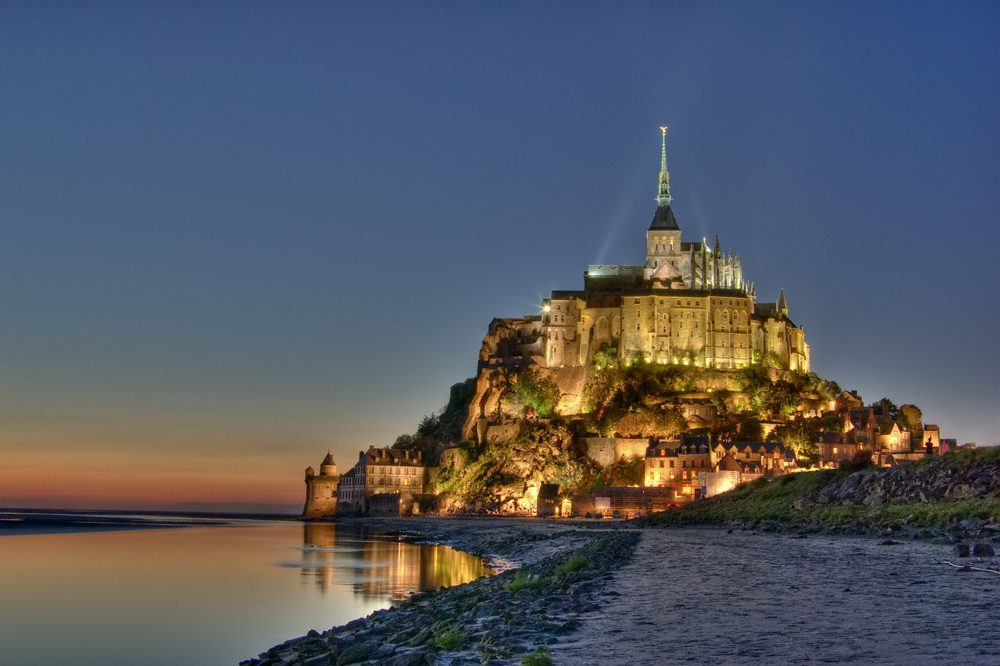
(378, 565)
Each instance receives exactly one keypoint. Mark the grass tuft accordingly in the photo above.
(524, 581)
(574, 562)
(449, 639)
(540, 657)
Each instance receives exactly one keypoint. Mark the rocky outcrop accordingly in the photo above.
(490, 385)
(492, 382)
(940, 479)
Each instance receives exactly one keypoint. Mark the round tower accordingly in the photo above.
(328, 468)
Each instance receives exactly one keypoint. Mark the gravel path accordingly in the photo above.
(703, 596)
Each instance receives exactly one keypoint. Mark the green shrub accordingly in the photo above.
(859, 461)
(449, 639)
(524, 581)
(540, 657)
(574, 562)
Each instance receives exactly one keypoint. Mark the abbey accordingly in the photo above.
(689, 304)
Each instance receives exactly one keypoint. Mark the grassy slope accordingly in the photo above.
(763, 501)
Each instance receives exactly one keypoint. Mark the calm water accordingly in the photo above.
(200, 595)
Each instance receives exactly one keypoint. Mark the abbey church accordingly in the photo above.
(689, 304)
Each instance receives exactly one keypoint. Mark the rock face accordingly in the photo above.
(492, 382)
(941, 479)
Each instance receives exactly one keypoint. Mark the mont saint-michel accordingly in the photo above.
(654, 385)
(689, 305)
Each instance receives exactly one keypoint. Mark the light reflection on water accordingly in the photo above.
(379, 568)
(204, 595)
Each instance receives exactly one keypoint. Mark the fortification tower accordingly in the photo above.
(321, 490)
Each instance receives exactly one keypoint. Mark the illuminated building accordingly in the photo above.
(689, 304)
(397, 472)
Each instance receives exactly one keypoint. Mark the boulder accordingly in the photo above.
(982, 550)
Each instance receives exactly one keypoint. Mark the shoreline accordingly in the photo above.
(40, 523)
(512, 618)
(549, 575)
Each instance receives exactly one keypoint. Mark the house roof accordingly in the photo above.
(729, 464)
(402, 457)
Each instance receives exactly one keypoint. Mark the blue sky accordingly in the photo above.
(236, 235)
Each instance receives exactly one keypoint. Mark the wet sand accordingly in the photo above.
(703, 596)
(32, 523)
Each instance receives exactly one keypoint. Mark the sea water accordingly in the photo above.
(200, 595)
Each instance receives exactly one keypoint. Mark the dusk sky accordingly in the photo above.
(238, 235)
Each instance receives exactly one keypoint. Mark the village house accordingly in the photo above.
(677, 465)
(398, 472)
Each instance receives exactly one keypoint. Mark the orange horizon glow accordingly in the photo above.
(144, 480)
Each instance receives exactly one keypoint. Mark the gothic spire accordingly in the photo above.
(782, 306)
(663, 197)
(664, 218)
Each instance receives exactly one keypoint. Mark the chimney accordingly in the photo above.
(361, 455)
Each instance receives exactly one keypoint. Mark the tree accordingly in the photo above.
(772, 360)
(833, 422)
(649, 422)
(628, 471)
(751, 430)
(888, 407)
(784, 397)
(606, 355)
(798, 436)
(909, 417)
(536, 392)
(725, 429)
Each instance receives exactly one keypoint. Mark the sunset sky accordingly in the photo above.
(238, 235)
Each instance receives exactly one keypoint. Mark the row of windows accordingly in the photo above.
(671, 476)
(684, 463)
(392, 481)
(395, 470)
(697, 304)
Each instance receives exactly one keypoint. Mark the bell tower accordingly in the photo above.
(663, 240)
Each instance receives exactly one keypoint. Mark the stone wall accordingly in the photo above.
(628, 448)
(600, 449)
(608, 450)
(454, 458)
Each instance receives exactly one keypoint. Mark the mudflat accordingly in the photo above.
(741, 596)
(705, 596)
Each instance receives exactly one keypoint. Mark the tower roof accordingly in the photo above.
(329, 459)
(664, 219)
